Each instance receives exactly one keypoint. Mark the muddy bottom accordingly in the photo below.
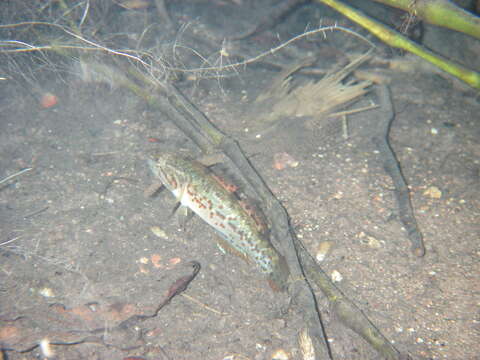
(82, 247)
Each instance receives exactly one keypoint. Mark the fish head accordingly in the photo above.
(166, 169)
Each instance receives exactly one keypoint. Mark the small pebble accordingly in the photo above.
(174, 261)
(46, 349)
(46, 292)
(283, 160)
(48, 100)
(374, 243)
(280, 354)
(323, 249)
(158, 232)
(336, 276)
(143, 260)
(306, 345)
(156, 260)
(433, 192)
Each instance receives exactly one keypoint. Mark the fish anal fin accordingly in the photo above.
(226, 246)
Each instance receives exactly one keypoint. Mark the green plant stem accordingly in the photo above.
(440, 12)
(395, 39)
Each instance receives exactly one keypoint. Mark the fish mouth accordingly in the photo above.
(159, 169)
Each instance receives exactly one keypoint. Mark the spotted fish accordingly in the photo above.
(196, 188)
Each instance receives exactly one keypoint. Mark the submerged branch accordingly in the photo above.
(176, 107)
(198, 128)
(391, 165)
(346, 311)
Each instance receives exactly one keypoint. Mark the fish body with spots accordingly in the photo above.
(196, 188)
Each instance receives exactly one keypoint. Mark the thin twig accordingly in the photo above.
(127, 53)
(192, 299)
(392, 167)
(10, 241)
(15, 175)
(36, 212)
(354, 111)
(279, 47)
(179, 286)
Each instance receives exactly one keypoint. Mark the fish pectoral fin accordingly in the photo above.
(184, 214)
(179, 195)
(178, 205)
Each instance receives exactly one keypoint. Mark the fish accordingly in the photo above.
(194, 187)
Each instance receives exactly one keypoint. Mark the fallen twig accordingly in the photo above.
(15, 175)
(10, 241)
(197, 127)
(147, 60)
(354, 111)
(36, 212)
(179, 286)
(209, 139)
(127, 335)
(348, 313)
(199, 303)
(392, 167)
